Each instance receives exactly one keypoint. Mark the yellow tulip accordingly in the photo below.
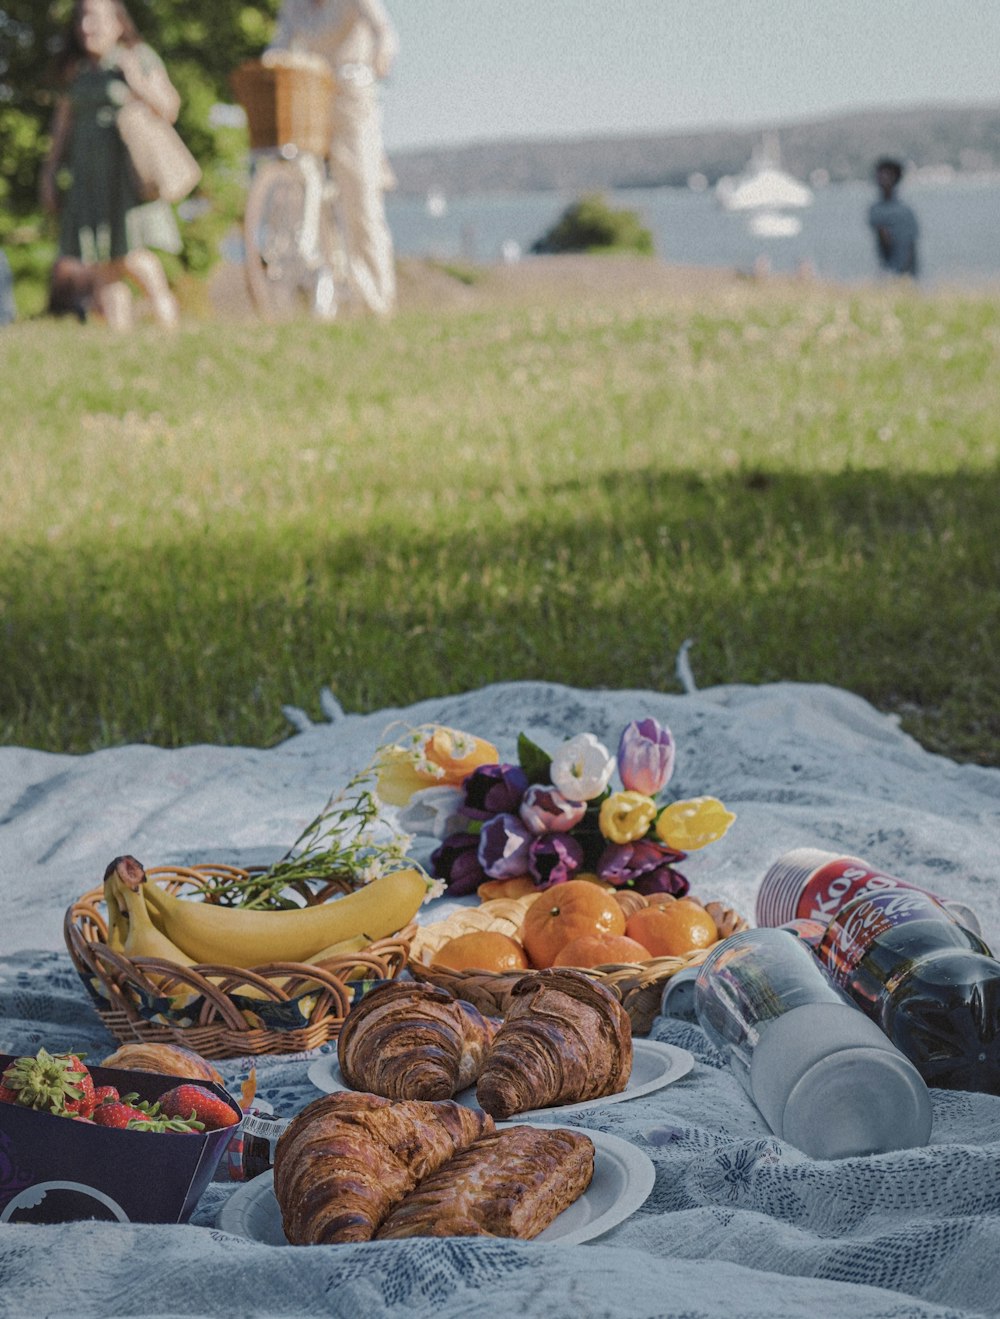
(443, 759)
(458, 754)
(626, 816)
(689, 825)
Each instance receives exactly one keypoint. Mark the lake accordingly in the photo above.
(959, 229)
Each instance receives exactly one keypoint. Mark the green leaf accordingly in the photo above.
(535, 762)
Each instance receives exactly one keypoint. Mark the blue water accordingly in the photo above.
(959, 229)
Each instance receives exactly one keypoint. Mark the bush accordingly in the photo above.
(592, 225)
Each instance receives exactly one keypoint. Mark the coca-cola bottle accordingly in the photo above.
(809, 883)
(929, 982)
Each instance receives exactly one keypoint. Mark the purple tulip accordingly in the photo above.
(503, 847)
(645, 756)
(554, 858)
(457, 863)
(664, 880)
(546, 811)
(493, 790)
(629, 864)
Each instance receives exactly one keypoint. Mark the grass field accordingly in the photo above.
(562, 484)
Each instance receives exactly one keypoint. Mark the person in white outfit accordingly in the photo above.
(358, 41)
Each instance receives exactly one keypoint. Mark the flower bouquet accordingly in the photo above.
(508, 829)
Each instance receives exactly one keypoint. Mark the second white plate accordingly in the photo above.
(623, 1179)
(654, 1065)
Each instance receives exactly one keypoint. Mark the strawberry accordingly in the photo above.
(55, 1083)
(196, 1103)
(130, 1113)
(104, 1093)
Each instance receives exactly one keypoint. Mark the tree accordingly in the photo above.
(592, 225)
(201, 43)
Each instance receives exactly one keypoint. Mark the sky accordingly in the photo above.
(483, 70)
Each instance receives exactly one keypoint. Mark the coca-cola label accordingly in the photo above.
(835, 884)
(855, 928)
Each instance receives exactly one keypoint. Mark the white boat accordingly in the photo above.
(763, 185)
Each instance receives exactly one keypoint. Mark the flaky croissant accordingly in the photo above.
(413, 1041)
(565, 1039)
(512, 1183)
(168, 1059)
(346, 1159)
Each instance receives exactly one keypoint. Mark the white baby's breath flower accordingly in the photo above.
(435, 889)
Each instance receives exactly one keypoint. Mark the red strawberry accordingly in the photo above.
(195, 1102)
(119, 1114)
(7, 1095)
(131, 1113)
(104, 1093)
(55, 1083)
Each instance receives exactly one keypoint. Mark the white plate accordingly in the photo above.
(654, 1065)
(623, 1179)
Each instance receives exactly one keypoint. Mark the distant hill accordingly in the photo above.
(962, 137)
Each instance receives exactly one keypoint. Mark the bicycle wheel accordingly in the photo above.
(278, 269)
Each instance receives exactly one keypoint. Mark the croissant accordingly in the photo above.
(168, 1059)
(346, 1159)
(565, 1039)
(511, 1183)
(413, 1041)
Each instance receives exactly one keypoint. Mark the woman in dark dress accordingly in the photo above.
(103, 222)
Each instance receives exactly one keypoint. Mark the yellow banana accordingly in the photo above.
(142, 938)
(236, 936)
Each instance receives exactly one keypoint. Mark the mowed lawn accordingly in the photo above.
(805, 482)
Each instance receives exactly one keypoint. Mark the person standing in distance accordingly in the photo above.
(893, 222)
(358, 41)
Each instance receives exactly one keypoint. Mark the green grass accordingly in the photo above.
(807, 483)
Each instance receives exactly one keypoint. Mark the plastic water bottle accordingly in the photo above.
(823, 1076)
(929, 982)
(809, 883)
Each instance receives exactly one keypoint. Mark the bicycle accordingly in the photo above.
(295, 255)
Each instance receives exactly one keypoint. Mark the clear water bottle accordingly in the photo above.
(823, 1076)
(928, 981)
(812, 884)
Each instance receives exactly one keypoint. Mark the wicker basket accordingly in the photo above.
(297, 1007)
(639, 985)
(286, 105)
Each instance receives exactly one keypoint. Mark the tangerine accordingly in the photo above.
(564, 912)
(481, 950)
(673, 929)
(601, 950)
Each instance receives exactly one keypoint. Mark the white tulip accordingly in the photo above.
(582, 768)
(434, 811)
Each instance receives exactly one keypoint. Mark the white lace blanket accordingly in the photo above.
(738, 1224)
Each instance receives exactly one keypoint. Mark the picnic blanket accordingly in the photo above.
(738, 1223)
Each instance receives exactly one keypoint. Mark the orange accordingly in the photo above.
(564, 912)
(481, 950)
(672, 929)
(518, 887)
(600, 950)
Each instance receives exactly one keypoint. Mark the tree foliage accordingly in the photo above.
(201, 43)
(591, 224)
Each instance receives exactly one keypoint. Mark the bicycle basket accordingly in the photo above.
(285, 104)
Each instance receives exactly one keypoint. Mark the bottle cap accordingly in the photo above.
(677, 1000)
(828, 1081)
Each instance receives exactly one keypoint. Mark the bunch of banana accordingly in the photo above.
(147, 921)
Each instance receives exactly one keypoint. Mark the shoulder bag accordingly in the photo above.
(161, 164)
